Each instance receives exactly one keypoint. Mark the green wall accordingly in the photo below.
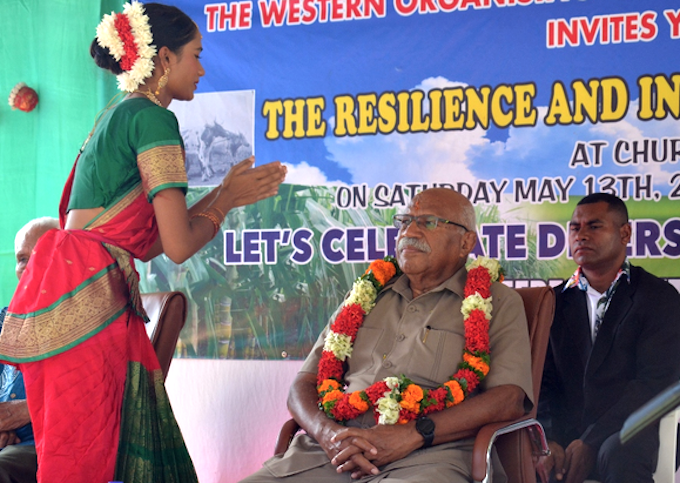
(45, 44)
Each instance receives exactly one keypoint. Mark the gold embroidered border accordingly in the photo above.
(108, 214)
(68, 322)
(161, 165)
(126, 264)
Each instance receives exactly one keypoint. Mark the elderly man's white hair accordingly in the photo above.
(43, 224)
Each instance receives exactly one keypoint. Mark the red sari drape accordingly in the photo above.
(75, 327)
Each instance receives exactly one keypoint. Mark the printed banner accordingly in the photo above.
(523, 106)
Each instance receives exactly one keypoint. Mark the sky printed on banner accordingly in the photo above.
(475, 47)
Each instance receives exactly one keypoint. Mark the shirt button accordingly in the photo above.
(401, 337)
(12, 395)
(387, 364)
(411, 308)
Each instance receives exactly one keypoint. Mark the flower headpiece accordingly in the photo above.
(128, 37)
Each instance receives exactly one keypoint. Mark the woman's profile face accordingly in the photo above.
(186, 70)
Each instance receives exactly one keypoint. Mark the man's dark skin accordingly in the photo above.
(441, 253)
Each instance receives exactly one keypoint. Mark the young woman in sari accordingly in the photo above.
(75, 325)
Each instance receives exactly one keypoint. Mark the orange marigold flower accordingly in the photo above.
(357, 402)
(328, 384)
(382, 271)
(477, 363)
(456, 392)
(332, 396)
(413, 393)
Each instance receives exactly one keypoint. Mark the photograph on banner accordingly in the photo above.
(523, 107)
(218, 130)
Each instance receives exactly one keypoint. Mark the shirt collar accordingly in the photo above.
(578, 278)
(455, 284)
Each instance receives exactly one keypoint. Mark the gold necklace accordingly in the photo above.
(150, 95)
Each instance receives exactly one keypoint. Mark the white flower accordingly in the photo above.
(388, 410)
(476, 301)
(108, 37)
(491, 265)
(364, 294)
(339, 344)
(392, 382)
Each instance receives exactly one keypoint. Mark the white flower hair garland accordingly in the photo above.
(128, 37)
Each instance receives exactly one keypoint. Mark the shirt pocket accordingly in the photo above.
(366, 358)
(436, 356)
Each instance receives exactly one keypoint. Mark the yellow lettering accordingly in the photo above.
(559, 106)
(272, 110)
(293, 115)
(645, 112)
(477, 107)
(452, 102)
(366, 113)
(316, 125)
(387, 111)
(525, 112)
(345, 124)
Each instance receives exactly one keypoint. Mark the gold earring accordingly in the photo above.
(163, 81)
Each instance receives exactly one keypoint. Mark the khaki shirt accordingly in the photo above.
(423, 338)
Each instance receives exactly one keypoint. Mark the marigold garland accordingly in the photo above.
(397, 400)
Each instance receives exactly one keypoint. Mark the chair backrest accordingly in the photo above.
(167, 313)
(514, 449)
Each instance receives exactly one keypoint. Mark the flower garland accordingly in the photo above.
(128, 37)
(397, 400)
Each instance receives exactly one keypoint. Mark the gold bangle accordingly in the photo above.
(219, 212)
(213, 218)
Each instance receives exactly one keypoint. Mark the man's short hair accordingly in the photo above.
(614, 204)
(44, 223)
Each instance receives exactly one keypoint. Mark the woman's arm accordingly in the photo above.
(183, 233)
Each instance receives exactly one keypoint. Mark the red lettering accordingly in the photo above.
(674, 21)
(405, 7)
(210, 10)
(374, 6)
(648, 26)
(310, 12)
(427, 6)
(272, 12)
(448, 6)
(323, 10)
(293, 12)
(336, 10)
(589, 30)
(616, 21)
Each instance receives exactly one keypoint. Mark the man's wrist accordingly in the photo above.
(425, 427)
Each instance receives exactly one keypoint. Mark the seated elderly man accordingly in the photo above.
(419, 358)
(18, 460)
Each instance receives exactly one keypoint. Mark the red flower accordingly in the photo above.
(478, 281)
(470, 377)
(405, 416)
(122, 24)
(344, 411)
(349, 320)
(477, 332)
(376, 391)
(436, 400)
(329, 368)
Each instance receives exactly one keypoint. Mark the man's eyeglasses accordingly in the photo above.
(425, 222)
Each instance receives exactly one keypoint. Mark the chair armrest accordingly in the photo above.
(486, 437)
(288, 430)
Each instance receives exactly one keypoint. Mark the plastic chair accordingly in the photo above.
(516, 441)
(167, 313)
